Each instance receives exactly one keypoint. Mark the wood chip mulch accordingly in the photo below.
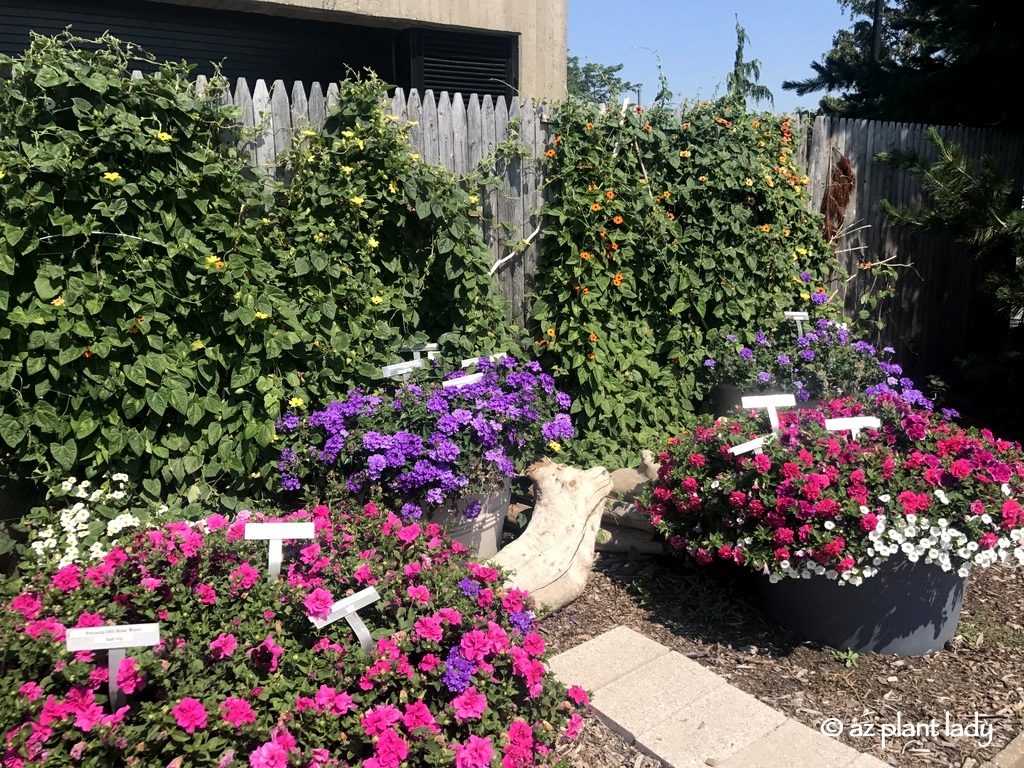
(714, 619)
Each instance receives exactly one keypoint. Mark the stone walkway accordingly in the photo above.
(687, 716)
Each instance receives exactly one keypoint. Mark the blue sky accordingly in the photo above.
(696, 41)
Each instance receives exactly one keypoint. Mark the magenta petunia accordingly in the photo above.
(469, 705)
(223, 646)
(190, 714)
(475, 753)
(318, 603)
(237, 712)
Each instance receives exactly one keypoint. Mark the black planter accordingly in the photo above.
(907, 609)
(723, 398)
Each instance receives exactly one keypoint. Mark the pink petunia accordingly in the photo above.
(409, 533)
(419, 593)
(67, 578)
(28, 605)
(269, 755)
(429, 628)
(318, 603)
(380, 718)
(533, 644)
(469, 705)
(207, 595)
(988, 541)
(31, 690)
(190, 714)
(237, 712)
(572, 729)
(244, 576)
(578, 695)
(475, 753)
(223, 646)
(418, 715)
(129, 678)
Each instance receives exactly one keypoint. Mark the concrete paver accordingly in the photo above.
(605, 658)
(686, 715)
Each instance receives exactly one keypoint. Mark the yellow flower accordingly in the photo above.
(197, 345)
(372, 242)
(802, 251)
(376, 299)
(296, 402)
(309, 134)
(357, 200)
(474, 199)
(393, 187)
(210, 260)
(684, 153)
(348, 134)
(3, 174)
(164, 136)
(112, 176)
(766, 227)
(805, 296)
(555, 446)
(702, 178)
(415, 157)
(346, 169)
(262, 315)
(551, 332)
(58, 302)
(266, 221)
(749, 182)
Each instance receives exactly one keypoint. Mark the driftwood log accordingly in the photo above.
(553, 557)
(626, 529)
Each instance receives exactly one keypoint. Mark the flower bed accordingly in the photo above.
(241, 677)
(426, 445)
(820, 503)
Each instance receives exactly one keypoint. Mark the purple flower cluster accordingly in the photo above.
(425, 446)
(458, 671)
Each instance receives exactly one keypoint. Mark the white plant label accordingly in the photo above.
(799, 318)
(462, 381)
(853, 423)
(275, 534)
(771, 403)
(114, 640)
(432, 350)
(402, 370)
(756, 445)
(347, 609)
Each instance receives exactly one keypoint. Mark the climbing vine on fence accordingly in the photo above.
(664, 231)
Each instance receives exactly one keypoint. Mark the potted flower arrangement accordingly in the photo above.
(445, 452)
(828, 361)
(242, 677)
(862, 543)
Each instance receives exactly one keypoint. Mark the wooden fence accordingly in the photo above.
(929, 323)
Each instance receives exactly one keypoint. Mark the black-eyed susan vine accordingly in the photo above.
(663, 230)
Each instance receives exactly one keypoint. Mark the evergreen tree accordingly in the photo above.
(940, 62)
(596, 83)
(742, 83)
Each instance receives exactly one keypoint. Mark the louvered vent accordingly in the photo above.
(467, 63)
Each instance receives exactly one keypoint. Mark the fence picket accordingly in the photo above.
(317, 107)
(243, 100)
(460, 148)
(266, 158)
(429, 136)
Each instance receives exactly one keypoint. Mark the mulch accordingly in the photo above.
(713, 618)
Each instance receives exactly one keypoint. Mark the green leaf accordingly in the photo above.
(64, 453)
(179, 401)
(157, 401)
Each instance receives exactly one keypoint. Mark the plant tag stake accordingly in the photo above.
(347, 609)
(275, 533)
(462, 380)
(114, 640)
(402, 370)
(432, 350)
(771, 403)
(756, 445)
(799, 317)
(853, 423)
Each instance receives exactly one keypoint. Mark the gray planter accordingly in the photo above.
(908, 609)
(481, 534)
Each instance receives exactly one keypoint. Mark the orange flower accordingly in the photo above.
(766, 227)
(610, 194)
(595, 206)
(666, 194)
(558, 139)
(218, 264)
(550, 153)
(615, 246)
(819, 289)
(551, 332)
(723, 121)
(702, 178)
(617, 220)
(756, 123)
(585, 255)
(603, 234)
(591, 187)
(648, 127)
(590, 126)
(87, 354)
(684, 153)
(590, 356)
(586, 291)
(592, 337)
(785, 233)
(617, 280)
(671, 216)
(864, 265)
(685, 126)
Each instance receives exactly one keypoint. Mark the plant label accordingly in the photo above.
(462, 380)
(756, 445)
(771, 403)
(402, 370)
(347, 609)
(275, 534)
(799, 318)
(114, 640)
(474, 360)
(432, 351)
(852, 423)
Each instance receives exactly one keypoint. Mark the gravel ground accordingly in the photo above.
(713, 618)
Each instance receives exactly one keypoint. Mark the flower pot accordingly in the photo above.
(908, 609)
(481, 534)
